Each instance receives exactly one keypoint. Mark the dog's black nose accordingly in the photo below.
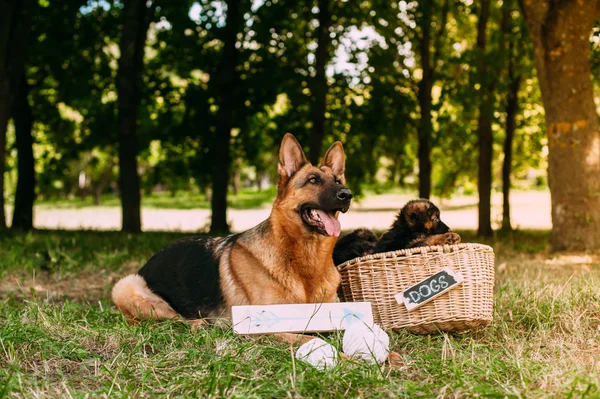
(344, 194)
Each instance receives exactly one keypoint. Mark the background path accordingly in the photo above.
(530, 210)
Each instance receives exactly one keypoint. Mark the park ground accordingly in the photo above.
(61, 337)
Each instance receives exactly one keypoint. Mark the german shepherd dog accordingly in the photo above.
(417, 224)
(285, 259)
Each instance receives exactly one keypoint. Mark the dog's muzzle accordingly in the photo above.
(344, 194)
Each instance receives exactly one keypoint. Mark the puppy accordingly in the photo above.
(417, 225)
(359, 243)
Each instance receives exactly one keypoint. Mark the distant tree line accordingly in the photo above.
(125, 95)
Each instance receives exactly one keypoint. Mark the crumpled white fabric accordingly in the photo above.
(318, 353)
(368, 342)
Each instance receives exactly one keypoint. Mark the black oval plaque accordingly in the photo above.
(430, 288)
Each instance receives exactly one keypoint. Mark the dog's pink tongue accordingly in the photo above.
(332, 225)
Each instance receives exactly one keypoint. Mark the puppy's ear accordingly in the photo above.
(335, 158)
(291, 156)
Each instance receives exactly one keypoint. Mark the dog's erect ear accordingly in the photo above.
(336, 160)
(291, 156)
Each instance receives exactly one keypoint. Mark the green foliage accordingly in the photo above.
(373, 74)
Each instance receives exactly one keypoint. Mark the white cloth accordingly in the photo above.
(368, 342)
(318, 353)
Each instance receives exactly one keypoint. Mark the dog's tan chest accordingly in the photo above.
(249, 278)
(321, 287)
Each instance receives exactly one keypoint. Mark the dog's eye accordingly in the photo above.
(312, 180)
(337, 181)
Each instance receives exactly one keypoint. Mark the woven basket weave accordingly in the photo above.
(377, 278)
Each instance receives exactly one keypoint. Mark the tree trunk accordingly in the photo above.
(429, 59)
(226, 100)
(560, 32)
(15, 26)
(425, 86)
(25, 193)
(220, 176)
(484, 183)
(512, 107)
(319, 87)
(131, 62)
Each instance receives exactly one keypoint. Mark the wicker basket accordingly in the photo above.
(377, 278)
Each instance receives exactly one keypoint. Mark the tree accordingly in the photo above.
(429, 60)
(512, 108)
(560, 32)
(131, 62)
(225, 82)
(232, 68)
(513, 76)
(484, 131)
(73, 97)
(437, 35)
(15, 23)
(319, 82)
(25, 194)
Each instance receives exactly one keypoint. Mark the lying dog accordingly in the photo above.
(285, 259)
(418, 224)
(359, 243)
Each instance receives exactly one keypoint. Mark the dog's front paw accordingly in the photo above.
(450, 239)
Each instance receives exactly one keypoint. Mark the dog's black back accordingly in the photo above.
(417, 219)
(186, 275)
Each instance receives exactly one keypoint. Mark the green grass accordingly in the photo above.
(61, 337)
(247, 198)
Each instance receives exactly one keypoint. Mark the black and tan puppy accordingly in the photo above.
(359, 243)
(285, 259)
(418, 224)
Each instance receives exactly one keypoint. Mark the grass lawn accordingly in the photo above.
(61, 337)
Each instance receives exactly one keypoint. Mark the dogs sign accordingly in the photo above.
(298, 318)
(429, 289)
